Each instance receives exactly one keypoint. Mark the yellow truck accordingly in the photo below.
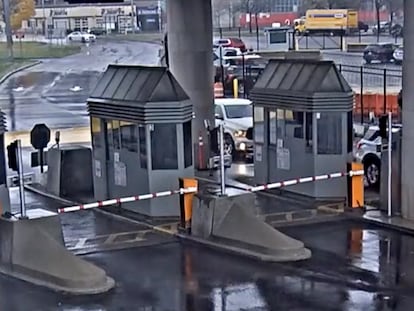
(328, 21)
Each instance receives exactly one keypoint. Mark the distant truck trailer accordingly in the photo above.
(328, 21)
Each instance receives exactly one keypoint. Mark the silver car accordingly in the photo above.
(368, 152)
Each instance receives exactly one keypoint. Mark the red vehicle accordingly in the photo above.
(230, 42)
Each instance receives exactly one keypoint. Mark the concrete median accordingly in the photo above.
(33, 250)
(231, 222)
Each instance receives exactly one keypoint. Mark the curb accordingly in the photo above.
(49, 195)
(9, 74)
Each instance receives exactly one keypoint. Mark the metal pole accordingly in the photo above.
(222, 169)
(8, 30)
(385, 90)
(361, 94)
(132, 16)
(44, 19)
(389, 163)
(244, 76)
(21, 179)
(257, 33)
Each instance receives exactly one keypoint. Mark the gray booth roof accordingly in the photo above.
(304, 85)
(141, 94)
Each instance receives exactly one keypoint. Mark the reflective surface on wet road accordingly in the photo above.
(55, 92)
(354, 267)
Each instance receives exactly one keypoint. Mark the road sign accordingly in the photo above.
(40, 136)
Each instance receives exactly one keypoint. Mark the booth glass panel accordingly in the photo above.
(143, 147)
(164, 147)
(116, 134)
(277, 37)
(96, 132)
(309, 132)
(129, 136)
(188, 150)
(294, 123)
(280, 123)
(259, 124)
(272, 128)
(329, 127)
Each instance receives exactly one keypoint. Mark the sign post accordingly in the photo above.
(39, 138)
(222, 168)
(21, 180)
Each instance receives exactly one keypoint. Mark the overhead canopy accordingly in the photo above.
(2, 122)
(304, 85)
(139, 94)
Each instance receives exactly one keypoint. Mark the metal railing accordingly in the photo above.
(366, 79)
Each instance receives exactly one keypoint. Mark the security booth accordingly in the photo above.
(4, 191)
(277, 38)
(302, 126)
(141, 122)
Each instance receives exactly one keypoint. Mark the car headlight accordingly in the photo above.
(240, 133)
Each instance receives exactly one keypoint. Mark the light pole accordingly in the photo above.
(44, 19)
(9, 36)
(132, 16)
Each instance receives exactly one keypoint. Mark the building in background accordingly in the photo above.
(61, 17)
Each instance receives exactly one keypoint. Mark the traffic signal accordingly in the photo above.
(12, 156)
(383, 126)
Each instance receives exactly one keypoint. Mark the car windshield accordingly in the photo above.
(371, 134)
(238, 111)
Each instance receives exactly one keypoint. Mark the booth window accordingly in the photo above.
(280, 124)
(96, 132)
(116, 134)
(259, 124)
(109, 135)
(294, 124)
(142, 147)
(272, 128)
(329, 126)
(188, 150)
(164, 147)
(129, 136)
(277, 37)
(309, 132)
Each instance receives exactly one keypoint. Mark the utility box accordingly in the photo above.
(70, 172)
(277, 38)
(302, 126)
(141, 123)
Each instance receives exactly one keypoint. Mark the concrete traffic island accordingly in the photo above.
(33, 250)
(230, 224)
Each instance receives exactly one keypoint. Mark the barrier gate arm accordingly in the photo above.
(188, 190)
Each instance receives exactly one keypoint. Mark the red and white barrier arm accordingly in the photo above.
(303, 180)
(126, 200)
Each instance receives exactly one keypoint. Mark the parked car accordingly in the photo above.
(81, 36)
(367, 151)
(97, 31)
(398, 55)
(230, 42)
(237, 117)
(384, 28)
(382, 52)
(362, 26)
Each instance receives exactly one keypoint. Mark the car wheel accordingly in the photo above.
(83, 40)
(229, 148)
(372, 170)
(70, 38)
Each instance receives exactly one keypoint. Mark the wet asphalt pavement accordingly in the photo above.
(55, 91)
(354, 266)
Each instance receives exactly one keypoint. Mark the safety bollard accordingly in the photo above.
(186, 204)
(356, 186)
(236, 88)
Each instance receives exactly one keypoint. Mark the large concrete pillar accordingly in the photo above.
(407, 177)
(190, 49)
